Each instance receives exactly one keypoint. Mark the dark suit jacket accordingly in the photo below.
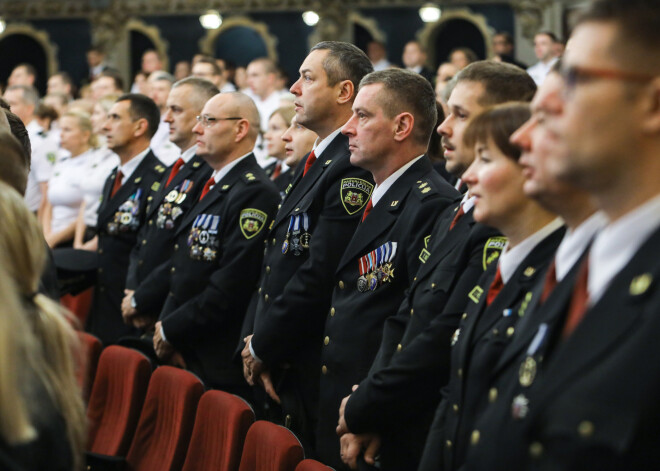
(482, 336)
(294, 292)
(166, 209)
(593, 403)
(398, 398)
(405, 215)
(209, 293)
(119, 221)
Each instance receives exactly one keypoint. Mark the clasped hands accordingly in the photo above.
(351, 445)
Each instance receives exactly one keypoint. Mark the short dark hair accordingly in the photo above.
(470, 55)
(508, 38)
(344, 61)
(270, 66)
(502, 82)
(143, 107)
(638, 24)
(66, 78)
(115, 76)
(202, 89)
(13, 165)
(549, 34)
(497, 124)
(209, 60)
(407, 91)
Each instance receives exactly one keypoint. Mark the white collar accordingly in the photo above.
(188, 154)
(321, 145)
(220, 174)
(129, 167)
(381, 189)
(575, 242)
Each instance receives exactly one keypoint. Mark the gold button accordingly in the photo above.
(176, 246)
(432, 285)
(398, 348)
(448, 444)
(279, 206)
(464, 316)
(474, 438)
(144, 241)
(341, 284)
(100, 251)
(510, 331)
(455, 408)
(324, 370)
(274, 241)
(151, 222)
(492, 394)
(412, 311)
(140, 262)
(297, 209)
(496, 332)
(100, 270)
(535, 450)
(259, 290)
(172, 270)
(332, 311)
(267, 269)
(326, 341)
(266, 297)
(586, 429)
(415, 279)
(460, 372)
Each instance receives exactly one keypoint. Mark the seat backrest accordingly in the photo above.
(116, 400)
(270, 447)
(312, 465)
(90, 347)
(166, 422)
(221, 424)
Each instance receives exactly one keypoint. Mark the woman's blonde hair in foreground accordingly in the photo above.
(51, 348)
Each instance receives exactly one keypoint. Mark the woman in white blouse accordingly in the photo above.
(64, 189)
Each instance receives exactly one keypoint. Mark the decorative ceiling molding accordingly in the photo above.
(207, 43)
(153, 33)
(530, 15)
(50, 49)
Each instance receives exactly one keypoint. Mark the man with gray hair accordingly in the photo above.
(159, 85)
(178, 191)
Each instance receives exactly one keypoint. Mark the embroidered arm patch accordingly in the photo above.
(251, 222)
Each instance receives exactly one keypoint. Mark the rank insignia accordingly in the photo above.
(475, 294)
(425, 254)
(492, 249)
(251, 221)
(640, 284)
(355, 193)
(155, 186)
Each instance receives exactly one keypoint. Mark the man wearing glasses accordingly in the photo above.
(589, 378)
(218, 248)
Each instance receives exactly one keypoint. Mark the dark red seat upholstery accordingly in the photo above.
(312, 465)
(78, 304)
(221, 425)
(166, 422)
(90, 349)
(270, 447)
(116, 400)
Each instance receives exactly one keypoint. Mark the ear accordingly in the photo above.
(404, 124)
(141, 127)
(651, 118)
(242, 128)
(345, 92)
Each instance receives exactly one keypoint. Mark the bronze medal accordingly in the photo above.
(527, 372)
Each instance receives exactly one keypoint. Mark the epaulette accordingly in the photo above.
(424, 189)
(249, 177)
(159, 168)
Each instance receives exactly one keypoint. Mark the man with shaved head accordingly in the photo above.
(219, 248)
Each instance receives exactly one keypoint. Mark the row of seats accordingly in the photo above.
(164, 420)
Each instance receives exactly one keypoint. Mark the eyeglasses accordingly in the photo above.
(572, 75)
(208, 121)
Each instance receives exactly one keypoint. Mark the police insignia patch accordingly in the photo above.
(475, 294)
(425, 254)
(251, 222)
(355, 193)
(492, 249)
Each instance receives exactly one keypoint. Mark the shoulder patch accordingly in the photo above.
(475, 294)
(354, 194)
(425, 254)
(423, 188)
(492, 250)
(249, 177)
(251, 222)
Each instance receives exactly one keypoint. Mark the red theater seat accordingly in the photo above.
(312, 465)
(270, 447)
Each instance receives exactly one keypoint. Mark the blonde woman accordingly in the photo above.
(50, 434)
(65, 194)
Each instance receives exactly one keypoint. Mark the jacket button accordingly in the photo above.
(474, 438)
(267, 269)
(399, 347)
(536, 450)
(459, 373)
(332, 312)
(140, 262)
(172, 270)
(510, 331)
(100, 270)
(411, 311)
(464, 316)
(432, 285)
(586, 429)
(326, 341)
(144, 241)
(176, 246)
(259, 290)
(274, 241)
(266, 297)
(455, 408)
(492, 395)
(151, 222)
(100, 251)
(341, 284)
(324, 370)
(448, 444)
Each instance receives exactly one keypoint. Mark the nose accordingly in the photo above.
(445, 129)
(469, 177)
(348, 129)
(295, 88)
(198, 129)
(522, 137)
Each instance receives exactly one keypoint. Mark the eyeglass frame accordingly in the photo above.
(572, 74)
(207, 122)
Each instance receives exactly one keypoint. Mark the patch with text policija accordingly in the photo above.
(251, 222)
(492, 250)
(355, 194)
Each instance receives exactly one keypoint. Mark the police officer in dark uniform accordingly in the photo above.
(131, 123)
(179, 190)
(382, 257)
(219, 248)
(319, 214)
(398, 398)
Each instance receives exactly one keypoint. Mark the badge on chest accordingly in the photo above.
(203, 241)
(127, 217)
(170, 210)
(376, 267)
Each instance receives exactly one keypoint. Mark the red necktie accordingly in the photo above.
(117, 185)
(579, 300)
(367, 210)
(495, 287)
(177, 166)
(276, 171)
(458, 215)
(310, 161)
(206, 188)
(550, 282)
